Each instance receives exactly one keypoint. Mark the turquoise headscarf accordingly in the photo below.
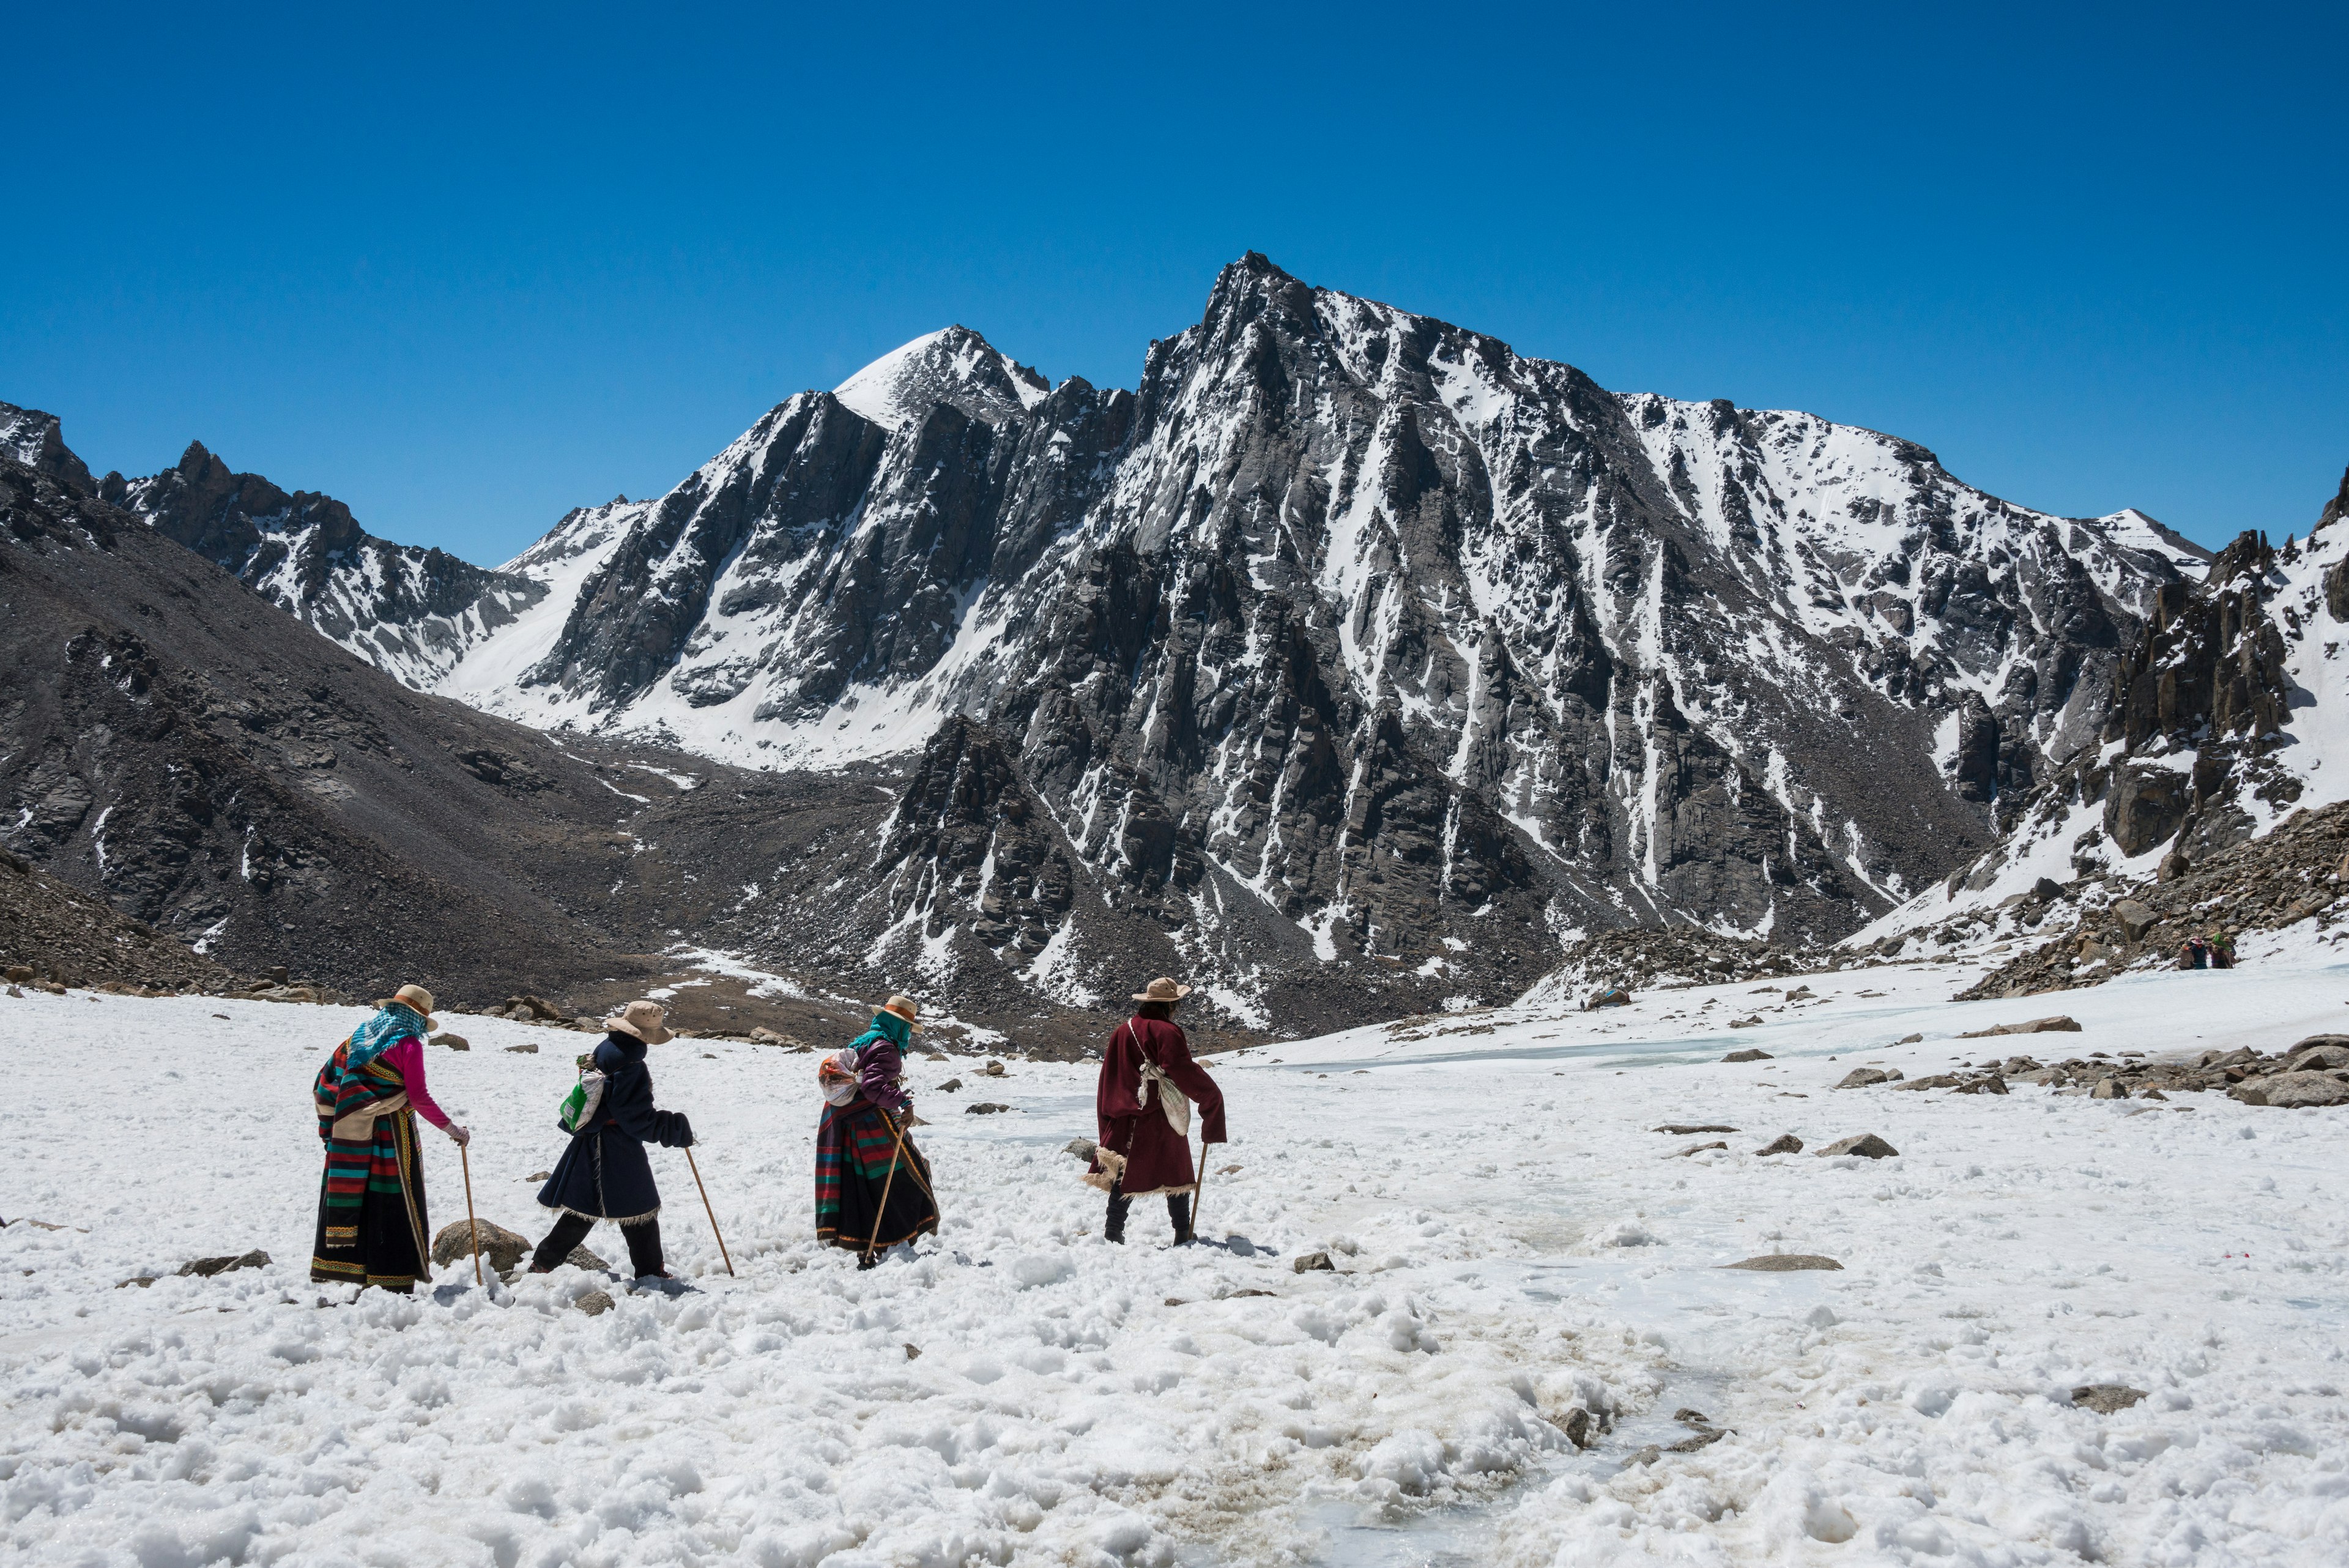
(390, 1026)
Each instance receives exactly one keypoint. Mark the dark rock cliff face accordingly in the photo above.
(409, 611)
(1350, 653)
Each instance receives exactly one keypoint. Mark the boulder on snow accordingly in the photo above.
(994, 1069)
(1932, 1081)
(2106, 1398)
(2058, 1025)
(1784, 1143)
(1866, 1078)
(2320, 1054)
(500, 1249)
(1910, 1040)
(1785, 1263)
(206, 1268)
(1749, 1056)
(580, 1258)
(950, 1085)
(2107, 1088)
(1683, 1129)
(2135, 918)
(529, 1050)
(1752, 1022)
(1991, 1084)
(453, 1041)
(1312, 1262)
(1867, 1145)
(1696, 1148)
(984, 1108)
(595, 1304)
(1576, 1427)
(2293, 1091)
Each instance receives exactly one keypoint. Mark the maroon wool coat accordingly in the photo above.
(1137, 1146)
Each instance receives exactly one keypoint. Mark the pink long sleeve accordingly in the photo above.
(409, 1057)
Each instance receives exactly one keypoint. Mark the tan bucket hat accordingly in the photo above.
(1162, 990)
(415, 997)
(906, 1008)
(643, 1020)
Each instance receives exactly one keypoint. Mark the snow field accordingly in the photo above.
(1512, 1241)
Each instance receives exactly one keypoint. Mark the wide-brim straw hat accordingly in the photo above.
(642, 1019)
(1162, 990)
(414, 997)
(906, 1008)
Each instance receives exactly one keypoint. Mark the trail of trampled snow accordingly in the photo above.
(1511, 1239)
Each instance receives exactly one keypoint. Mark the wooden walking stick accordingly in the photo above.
(473, 1226)
(705, 1208)
(1199, 1188)
(883, 1213)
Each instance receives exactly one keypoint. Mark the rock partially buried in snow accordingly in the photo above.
(1910, 1040)
(1989, 1084)
(952, 1084)
(1684, 1130)
(529, 1050)
(2058, 1025)
(453, 1041)
(206, 1268)
(595, 1304)
(1867, 1078)
(1784, 1143)
(2107, 1089)
(1082, 1147)
(2291, 1091)
(1625, 1234)
(1696, 1148)
(1867, 1145)
(1576, 1427)
(500, 1249)
(983, 1108)
(2106, 1398)
(1752, 1022)
(1313, 1261)
(1749, 1056)
(1785, 1263)
(2319, 1054)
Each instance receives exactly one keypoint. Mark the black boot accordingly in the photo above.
(643, 1240)
(1178, 1210)
(1113, 1228)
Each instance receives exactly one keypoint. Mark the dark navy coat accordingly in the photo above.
(604, 1175)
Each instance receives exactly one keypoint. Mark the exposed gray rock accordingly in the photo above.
(205, 1268)
(1748, 1056)
(502, 1249)
(595, 1304)
(1867, 1145)
(1683, 1129)
(1082, 1147)
(1697, 1149)
(2106, 1398)
(1785, 1263)
(453, 1041)
(2108, 1088)
(984, 1108)
(2293, 1091)
(1866, 1078)
(529, 1048)
(1784, 1143)
(1313, 1261)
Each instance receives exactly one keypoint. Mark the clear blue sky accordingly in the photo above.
(466, 270)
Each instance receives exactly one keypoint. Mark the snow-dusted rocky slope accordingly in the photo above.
(1349, 638)
(2229, 714)
(409, 611)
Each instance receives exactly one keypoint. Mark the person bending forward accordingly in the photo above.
(371, 1215)
(857, 1142)
(1148, 1083)
(604, 1175)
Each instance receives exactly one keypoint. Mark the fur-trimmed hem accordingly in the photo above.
(1163, 1191)
(1112, 1166)
(653, 1213)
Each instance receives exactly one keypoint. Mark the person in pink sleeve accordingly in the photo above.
(372, 1224)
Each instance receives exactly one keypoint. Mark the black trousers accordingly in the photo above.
(1178, 1210)
(643, 1245)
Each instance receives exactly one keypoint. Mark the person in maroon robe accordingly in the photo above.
(1148, 1083)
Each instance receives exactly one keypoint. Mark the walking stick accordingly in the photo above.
(708, 1211)
(883, 1213)
(1199, 1186)
(473, 1226)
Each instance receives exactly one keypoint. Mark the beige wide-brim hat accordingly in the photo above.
(642, 1019)
(1162, 990)
(906, 1008)
(415, 997)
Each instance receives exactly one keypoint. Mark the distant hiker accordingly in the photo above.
(862, 1158)
(1148, 1082)
(604, 1175)
(2195, 953)
(2222, 950)
(371, 1214)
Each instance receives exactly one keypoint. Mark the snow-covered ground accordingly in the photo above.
(1512, 1239)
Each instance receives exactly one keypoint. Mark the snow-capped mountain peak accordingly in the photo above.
(955, 366)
